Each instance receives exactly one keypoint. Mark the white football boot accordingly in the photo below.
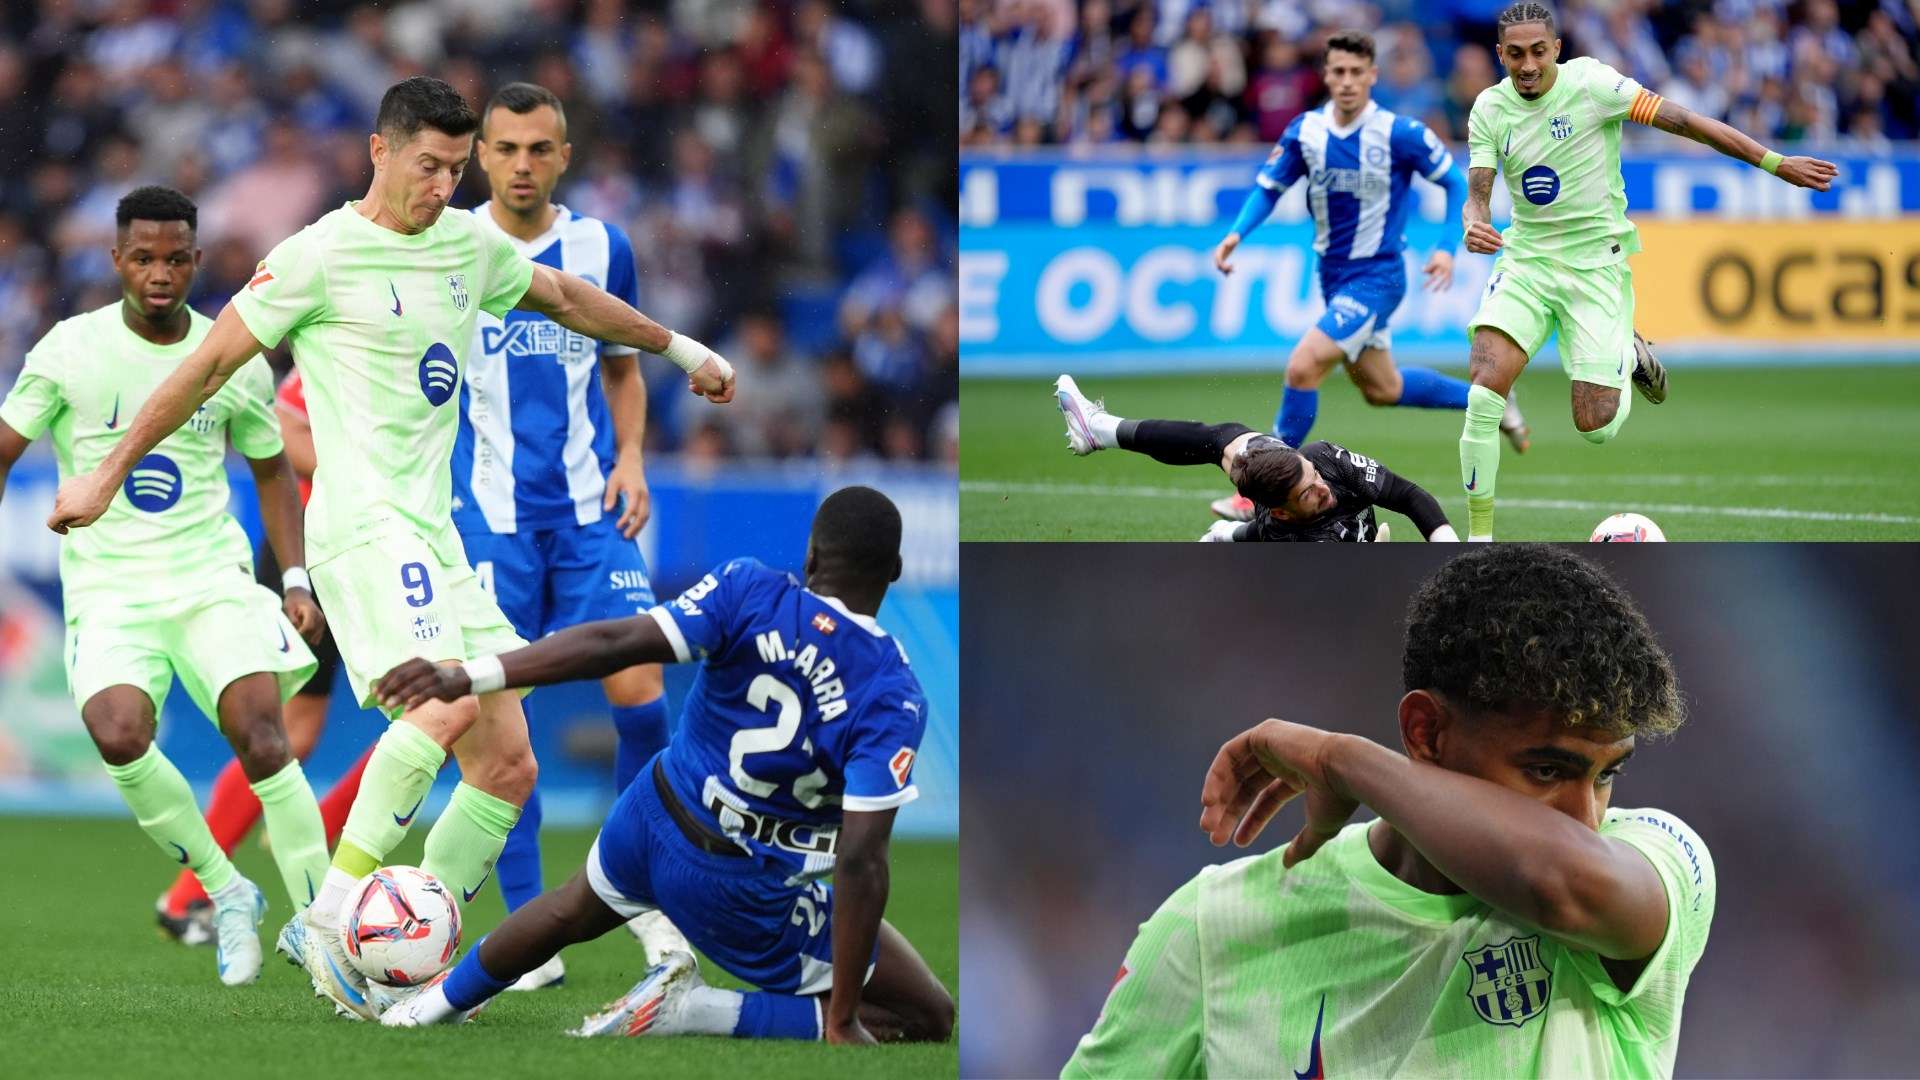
(1514, 426)
(658, 936)
(237, 911)
(551, 973)
(319, 950)
(1234, 507)
(1079, 413)
(1649, 374)
(652, 1007)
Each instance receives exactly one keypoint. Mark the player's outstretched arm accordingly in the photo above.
(12, 445)
(227, 346)
(279, 496)
(1403, 496)
(1803, 172)
(587, 651)
(1476, 217)
(1518, 855)
(585, 308)
(861, 880)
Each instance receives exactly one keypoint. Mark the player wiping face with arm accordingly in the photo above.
(413, 179)
(1319, 492)
(794, 754)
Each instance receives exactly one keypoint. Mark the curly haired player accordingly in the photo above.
(1498, 919)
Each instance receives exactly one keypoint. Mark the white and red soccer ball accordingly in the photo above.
(1627, 529)
(400, 926)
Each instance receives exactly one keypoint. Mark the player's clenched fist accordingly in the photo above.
(1483, 239)
(1807, 172)
(79, 503)
(713, 379)
(418, 681)
(1262, 769)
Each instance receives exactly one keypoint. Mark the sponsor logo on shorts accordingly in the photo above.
(1540, 185)
(626, 579)
(154, 485)
(438, 374)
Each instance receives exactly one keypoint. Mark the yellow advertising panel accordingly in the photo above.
(1779, 281)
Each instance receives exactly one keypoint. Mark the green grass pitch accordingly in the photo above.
(92, 989)
(1767, 453)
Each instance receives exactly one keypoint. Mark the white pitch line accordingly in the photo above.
(988, 487)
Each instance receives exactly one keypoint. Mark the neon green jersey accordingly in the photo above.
(379, 323)
(168, 529)
(1338, 968)
(1560, 155)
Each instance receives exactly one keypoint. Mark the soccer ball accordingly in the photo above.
(400, 926)
(1627, 528)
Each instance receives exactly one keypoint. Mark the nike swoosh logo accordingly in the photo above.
(1314, 1069)
(181, 850)
(285, 645)
(308, 874)
(1508, 152)
(467, 895)
(340, 980)
(114, 421)
(1473, 478)
(396, 298)
(403, 822)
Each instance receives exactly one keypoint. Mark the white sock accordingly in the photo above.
(709, 1010)
(325, 909)
(236, 890)
(1105, 427)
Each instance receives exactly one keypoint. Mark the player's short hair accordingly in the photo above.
(423, 102)
(857, 529)
(1357, 42)
(1267, 472)
(155, 202)
(1525, 11)
(1527, 626)
(522, 98)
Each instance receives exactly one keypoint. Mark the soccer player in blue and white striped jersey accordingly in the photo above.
(548, 490)
(1359, 161)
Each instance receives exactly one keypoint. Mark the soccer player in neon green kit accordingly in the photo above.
(1498, 919)
(1554, 130)
(378, 300)
(164, 586)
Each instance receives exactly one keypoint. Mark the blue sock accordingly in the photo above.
(1426, 389)
(777, 1016)
(470, 984)
(1295, 418)
(518, 868)
(643, 732)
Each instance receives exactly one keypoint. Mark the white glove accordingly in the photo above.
(1220, 532)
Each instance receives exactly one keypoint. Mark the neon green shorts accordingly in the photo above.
(1529, 299)
(397, 596)
(232, 628)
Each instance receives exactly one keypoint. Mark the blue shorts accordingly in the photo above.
(752, 923)
(1361, 297)
(549, 579)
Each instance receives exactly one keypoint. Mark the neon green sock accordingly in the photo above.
(163, 804)
(467, 839)
(1480, 457)
(395, 783)
(299, 836)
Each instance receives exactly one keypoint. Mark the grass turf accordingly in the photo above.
(91, 988)
(1830, 453)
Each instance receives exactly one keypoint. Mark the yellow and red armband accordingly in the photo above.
(1645, 104)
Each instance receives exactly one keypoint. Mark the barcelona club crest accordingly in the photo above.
(1560, 126)
(1508, 984)
(457, 285)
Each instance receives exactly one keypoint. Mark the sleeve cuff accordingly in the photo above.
(671, 629)
(1266, 182)
(1440, 170)
(868, 803)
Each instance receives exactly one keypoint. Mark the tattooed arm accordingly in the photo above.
(1804, 172)
(1482, 238)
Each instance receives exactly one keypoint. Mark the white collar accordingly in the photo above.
(866, 622)
(1358, 121)
(527, 247)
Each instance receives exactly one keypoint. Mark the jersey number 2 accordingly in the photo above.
(765, 691)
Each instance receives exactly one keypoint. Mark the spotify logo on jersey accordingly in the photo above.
(1540, 185)
(154, 484)
(438, 373)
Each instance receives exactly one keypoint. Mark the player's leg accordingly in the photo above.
(1598, 349)
(903, 999)
(1513, 321)
(1171, 442)
(1313, 356)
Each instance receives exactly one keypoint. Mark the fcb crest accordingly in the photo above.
(1507, 982)
(1560, 127)
(457, 285)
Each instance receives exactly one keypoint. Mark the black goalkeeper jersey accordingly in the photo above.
(1358, 483)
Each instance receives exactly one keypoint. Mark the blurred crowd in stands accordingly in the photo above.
(785, 169)
(1088, 72)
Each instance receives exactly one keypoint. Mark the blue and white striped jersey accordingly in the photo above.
(1357, 176)
(536, 441)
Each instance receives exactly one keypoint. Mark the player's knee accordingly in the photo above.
(1304, 369)
(122, 735)
(510, 775)
(936, 1022)
(1595, 422)
(1377, 392)
(261, 744)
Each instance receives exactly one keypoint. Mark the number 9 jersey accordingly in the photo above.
(802, 709)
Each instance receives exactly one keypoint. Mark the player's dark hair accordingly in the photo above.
(1267, 472)
(1357, 42)
(1527, 626)
(1525, 11)
(156, 203)
(857, 530)
(423, 102)
(522, 98)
